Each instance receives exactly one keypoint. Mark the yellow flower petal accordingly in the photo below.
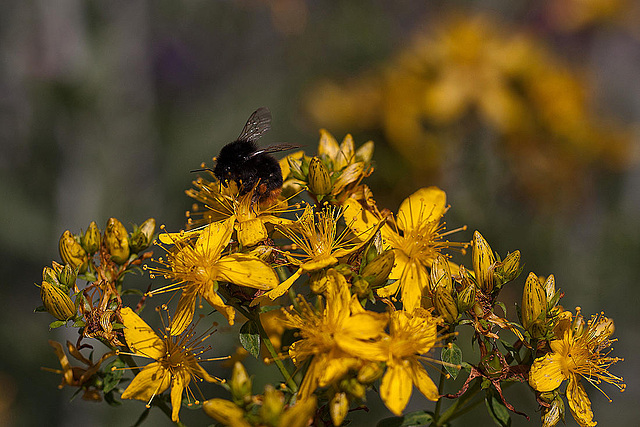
(335, 368)
(328, 146)
(579, 403)
(279, 290)
(215, 237)
(251, 232)
(310, 382)
(139, 336)
(184, 311)
(178, 383)
(347, 153)
(424, 383)
(151, 381)
(319, 262)
(425, 205)
(216, 302)
(546, 372)
(396, 388)
(247, 270)
(225, 412)
(172, 238)
(414, 279)
(299, 414)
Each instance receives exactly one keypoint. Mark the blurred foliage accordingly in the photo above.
(107, 106)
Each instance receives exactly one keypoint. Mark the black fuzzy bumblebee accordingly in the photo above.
(248, 165)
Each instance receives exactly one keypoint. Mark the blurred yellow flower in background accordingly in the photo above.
(471, 78)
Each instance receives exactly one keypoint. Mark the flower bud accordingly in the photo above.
(240, 384)
(225, 412)
(272, 406)
(72, 252)
(57, 301)
(318, 282)
(91, 239)
(550, 288)
(50, 275)
(319, 179)
(377, 271)
(553, 413)
(445, 305)
(534, 303)
(365, 152)
(441, 275)
(142, 236)
(361, 287)
(509, 268)
(68, 276)
(370, 372)
(483, 260)
(466, 298)
(338, 407)
(117, 241)
(353, 387)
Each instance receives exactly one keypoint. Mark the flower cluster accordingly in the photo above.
(347, 300)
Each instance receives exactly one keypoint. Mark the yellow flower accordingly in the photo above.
(321, 243)
(410, 336)
(221, 203)
(419, 237)
(337, 337)
(175, 362)
(579, 351)
(197, 267)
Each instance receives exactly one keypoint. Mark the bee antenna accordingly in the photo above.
(201, 170)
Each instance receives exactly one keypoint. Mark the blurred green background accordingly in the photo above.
(106, 106)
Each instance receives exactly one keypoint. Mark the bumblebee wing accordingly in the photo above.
(257, 124)
(275, 148)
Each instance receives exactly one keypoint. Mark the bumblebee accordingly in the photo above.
(250, 166)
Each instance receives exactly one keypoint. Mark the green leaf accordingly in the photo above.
(110, 398)
(57, 324)
(112, 376)
(499, 413)
(417, 418)
(451, 354)
(250, 338)
(39, 309)
(133, 291)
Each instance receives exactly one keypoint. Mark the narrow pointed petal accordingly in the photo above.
(151, 381)
(247, 270)
(184, 311)
(396, 388)
(280, 289)
(328, 146)
(139, 336)
(425, 205)
(178, 383)
(347, 152)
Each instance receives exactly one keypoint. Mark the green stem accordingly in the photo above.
(458, 408)
(436, 411)
(254, 316)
